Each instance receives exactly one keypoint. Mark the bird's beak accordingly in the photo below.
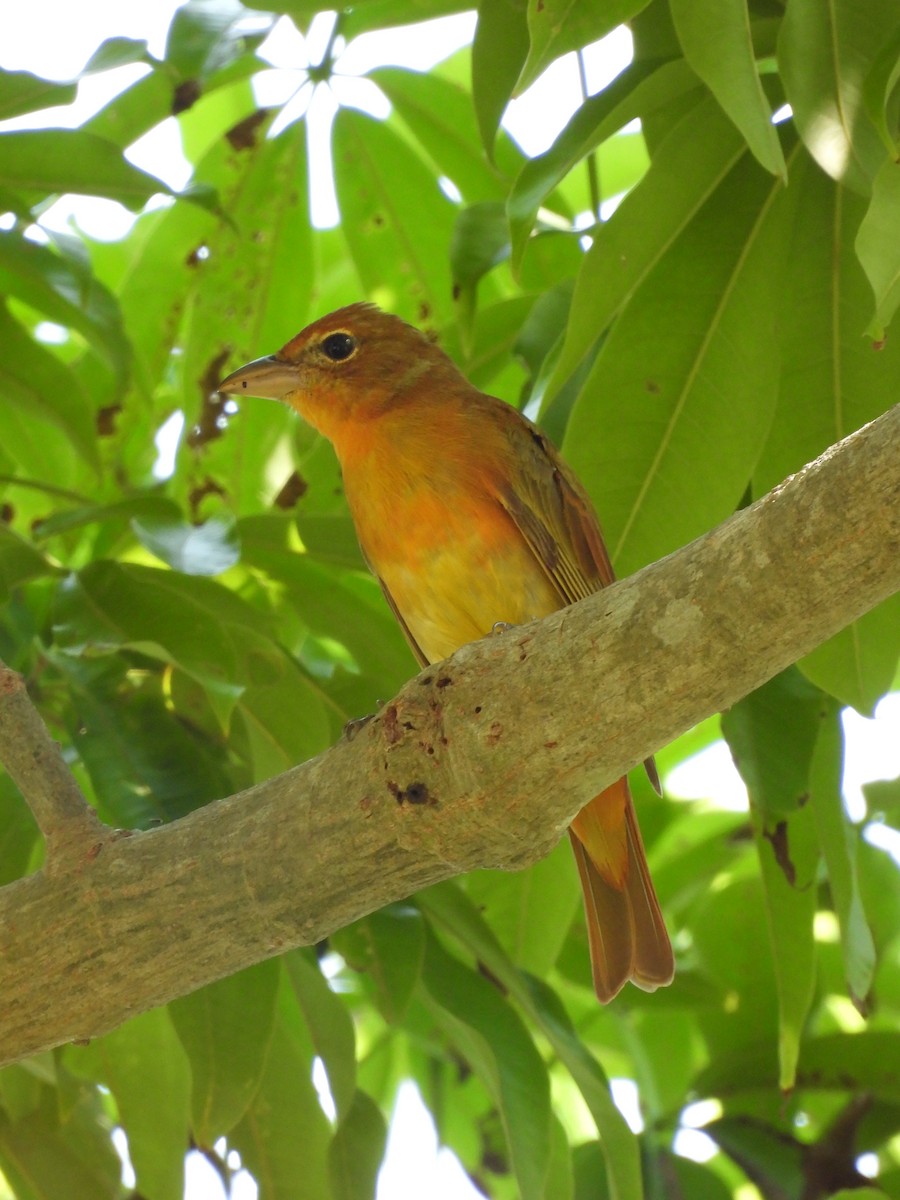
(271, 378)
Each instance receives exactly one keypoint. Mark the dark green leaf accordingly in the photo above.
(284, 1137)
(225, 1029)
(356, 1150)
(686, 172)
(484, 1027)
(499, 51)
(330, 1027)
(651, 408)
(772, 734)
(41, 391)
(389, 947)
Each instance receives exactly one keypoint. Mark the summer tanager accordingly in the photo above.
(470, 519)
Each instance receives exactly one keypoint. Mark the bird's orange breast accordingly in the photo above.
(432, 529)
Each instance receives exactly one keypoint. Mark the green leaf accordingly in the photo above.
(21, 92)
(531, 911)
(18, 833)
(640, 88)
(146, 1070)
(117, 52)
(499, 51)
(699, 327)
(824, 53)
(389, 947)
(877, 245)
(477, 1019)
(395, 218)
(880, 94)
(225, 1029)
(440, 117)
(448, 906)
(330, 1027)
(356, 1150)
(48, 161)
(19, 561)
(284, 1136)
(47, 1153)
(715, 37)
(62, 289)
(40, 390)
(788, 855)
(837, 838)
(207, 549)
(557, 26)
(772, 735)
(687, 169)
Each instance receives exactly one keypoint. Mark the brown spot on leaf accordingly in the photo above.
(185, 96)
(106, 419)
(212, 419)
(778, 839)
(209, 487)
(293, 488)
(243, 135)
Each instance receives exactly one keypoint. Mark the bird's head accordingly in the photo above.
(355, 363)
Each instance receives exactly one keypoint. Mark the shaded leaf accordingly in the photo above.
(22, 92)
(140, 1062)
(499, 51)
(557, 26)
(877, 244)
(207, 549)
(330, 1027)
(715, 36)
(824, 52)
(357, 1149)
(225, 1029)
(837, 838)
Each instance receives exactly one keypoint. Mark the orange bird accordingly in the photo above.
(469, 518)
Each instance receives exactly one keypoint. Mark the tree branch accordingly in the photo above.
(446, 778)
(36, 766)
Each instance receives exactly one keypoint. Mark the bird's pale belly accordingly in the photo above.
(457, 593)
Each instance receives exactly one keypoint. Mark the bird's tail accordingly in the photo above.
(626, 931)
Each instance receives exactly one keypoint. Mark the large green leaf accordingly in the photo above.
(686, 376)
(685, 172)
(395, 218)
(330, 1027)
(639, 89)
(447, 905)
(284, 1136)
(499, 51)
(356, 1150)
(146, 1070)
(824, 53)
(22, 92)
(715, 36)
(832, 382)
(46, 161)
(41, 391)
(491, 1036)
(225, 1029)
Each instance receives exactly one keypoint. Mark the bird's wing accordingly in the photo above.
(413, 644)
(554, 515)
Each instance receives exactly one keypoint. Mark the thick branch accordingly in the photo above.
(478, 762)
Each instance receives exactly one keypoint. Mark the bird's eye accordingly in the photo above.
(338, 346)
